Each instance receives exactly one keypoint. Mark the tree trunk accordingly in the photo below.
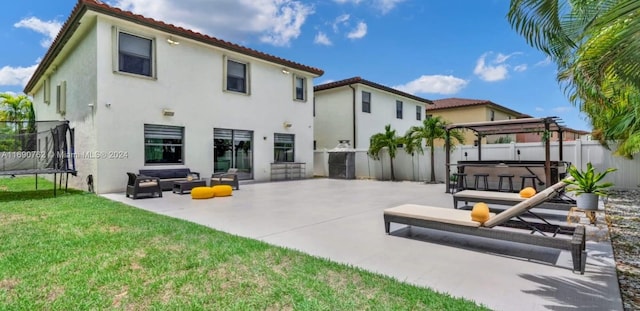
(393, 176)
(433, 172)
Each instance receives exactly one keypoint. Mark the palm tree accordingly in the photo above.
(17, 110)
(388, 140)
(432, 129)
(594, 44)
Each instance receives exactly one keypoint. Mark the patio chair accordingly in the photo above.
(140, 184)
(230, 177)
(459, 221)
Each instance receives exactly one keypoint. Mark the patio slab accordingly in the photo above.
(342, 220)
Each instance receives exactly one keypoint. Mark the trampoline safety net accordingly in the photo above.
(40, 147)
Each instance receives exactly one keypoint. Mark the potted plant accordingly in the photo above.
(587, 186)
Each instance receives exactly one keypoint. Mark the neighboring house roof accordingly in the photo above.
(83, 6)
(356, 80)
(448, 103)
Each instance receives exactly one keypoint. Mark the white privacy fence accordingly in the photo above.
(417, 167)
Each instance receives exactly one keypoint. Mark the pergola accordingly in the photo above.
(514, 126)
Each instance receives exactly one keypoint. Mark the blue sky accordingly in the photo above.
(434, 49)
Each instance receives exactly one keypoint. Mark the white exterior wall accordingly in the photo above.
(189, 81)
(78, 69)
(334, 119)
(383, 112)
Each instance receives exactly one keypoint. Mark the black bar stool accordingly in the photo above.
(509, 178)
(524, 178)
(484, 179)
(461, 181)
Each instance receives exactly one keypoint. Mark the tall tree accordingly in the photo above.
(17, 111)
(596, 46)
(432, 130)
(388, 140)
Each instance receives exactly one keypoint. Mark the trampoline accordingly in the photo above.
(38, 148)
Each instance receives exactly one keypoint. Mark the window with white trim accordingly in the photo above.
(61, 98)
(300, 88)
(135, 54)
(47, 91)
(283, 148)
(237, 79)
(366, 102)
(398, 109)
(418, 113)
(163, 144)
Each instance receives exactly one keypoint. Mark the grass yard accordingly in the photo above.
(78, 251)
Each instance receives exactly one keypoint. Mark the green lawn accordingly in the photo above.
(78, 251)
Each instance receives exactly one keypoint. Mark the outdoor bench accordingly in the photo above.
(169, 176)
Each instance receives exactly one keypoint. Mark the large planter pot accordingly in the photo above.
(587, 201)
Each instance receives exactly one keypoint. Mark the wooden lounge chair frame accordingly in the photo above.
(576, 244)
(507, 198)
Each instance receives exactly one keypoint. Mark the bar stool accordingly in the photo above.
(524, 178)
(461, 181)
(484, 179)
(510, 179)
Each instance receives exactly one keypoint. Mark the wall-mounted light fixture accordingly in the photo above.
(168, 112)
(107, 104)
(285, 71)
(172, 41)
(286, 125)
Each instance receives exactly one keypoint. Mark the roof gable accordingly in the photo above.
(359, 80)
(83, 6)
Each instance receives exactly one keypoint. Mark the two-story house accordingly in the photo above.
(142, 93)
(463, 110)
(355, 109)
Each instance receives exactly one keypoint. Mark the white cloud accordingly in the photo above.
(16, 75)
(496, 69)
(539, 109)
(48, 28)
(436, 84)
(322, 39)
(275, 22)
(340, 20)
(545, 62)
(562, 109)
(520, 68)
(359, 32)
(386, 5)
(383, 6)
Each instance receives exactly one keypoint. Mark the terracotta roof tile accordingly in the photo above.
(98, 6)
(356, 80)
(448, 103)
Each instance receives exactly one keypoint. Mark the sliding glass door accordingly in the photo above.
(233, 149)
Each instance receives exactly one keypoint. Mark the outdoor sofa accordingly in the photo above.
(169, 175)
(534, 233)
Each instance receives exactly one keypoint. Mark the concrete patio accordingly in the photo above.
(342, 220)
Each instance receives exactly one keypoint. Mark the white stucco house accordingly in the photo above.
(144, 94)
(354, 109)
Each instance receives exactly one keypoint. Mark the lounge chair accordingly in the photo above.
(459, 221)
(508, 198)
(226, 178)
(140, 184)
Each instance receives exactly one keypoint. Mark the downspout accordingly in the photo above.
(353, 91)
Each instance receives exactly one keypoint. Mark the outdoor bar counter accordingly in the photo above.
(514, 167)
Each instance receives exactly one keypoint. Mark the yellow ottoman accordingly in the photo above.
(222, 190)
(202, 193)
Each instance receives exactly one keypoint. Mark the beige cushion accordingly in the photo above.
(148, 184)
(488, 195)
(225, 179)
(439, 214)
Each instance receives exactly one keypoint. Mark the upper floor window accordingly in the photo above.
(237, 77)
(418, 113)
(300, 88)
(493, 115)
(366, 102)
(398, 109)
(135, 54)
